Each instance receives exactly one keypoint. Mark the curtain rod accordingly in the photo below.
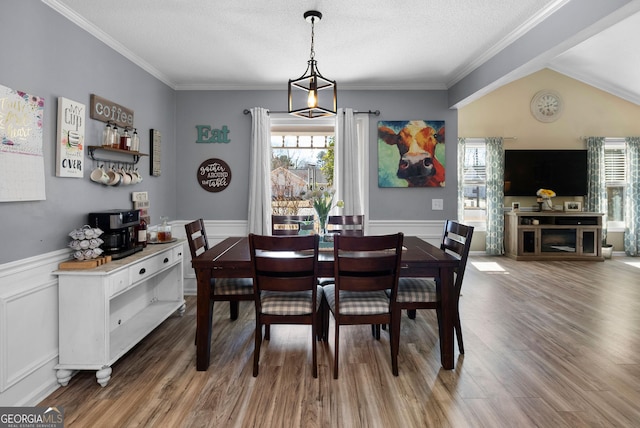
(376, 112)
(482, 138)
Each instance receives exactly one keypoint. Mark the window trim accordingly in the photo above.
(480, 225)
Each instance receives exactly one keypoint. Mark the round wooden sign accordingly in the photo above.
(214, 175)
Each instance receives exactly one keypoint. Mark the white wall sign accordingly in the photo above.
(70, 141)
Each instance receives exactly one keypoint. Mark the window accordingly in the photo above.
(615, 180)
(475, 182)
(301, 159)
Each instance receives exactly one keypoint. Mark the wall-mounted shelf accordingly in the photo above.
(93, 149)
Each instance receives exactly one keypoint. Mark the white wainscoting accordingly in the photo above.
(29, 307)
(29, 329)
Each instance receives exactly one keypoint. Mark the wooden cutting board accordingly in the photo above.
(84, 264)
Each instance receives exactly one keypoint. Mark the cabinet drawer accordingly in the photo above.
(149, 267)
(118, 282)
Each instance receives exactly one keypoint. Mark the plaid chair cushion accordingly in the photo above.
(233, 286)
(416, 290)
(357, 302)
(289, 303)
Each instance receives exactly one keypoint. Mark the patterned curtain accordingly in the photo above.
(461, 149)
(495, 196)
(632, 197)
(596, 186)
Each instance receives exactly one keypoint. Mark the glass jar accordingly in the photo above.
(164, 230)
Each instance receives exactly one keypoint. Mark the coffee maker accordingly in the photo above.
(119, 231)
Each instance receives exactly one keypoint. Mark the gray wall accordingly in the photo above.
(52, 57)
(45, 54)
(225, 108)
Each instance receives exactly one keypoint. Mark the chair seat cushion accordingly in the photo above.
(289, 303)
(357, 302)
(233, 286)
(416, 290)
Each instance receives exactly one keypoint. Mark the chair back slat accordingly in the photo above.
(349, 225)
(456, 239)
(289, 224)
(196, 237)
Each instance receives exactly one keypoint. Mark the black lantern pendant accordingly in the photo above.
(311, 95)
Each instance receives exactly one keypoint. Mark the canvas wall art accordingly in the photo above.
(411, 153)
(21, 146)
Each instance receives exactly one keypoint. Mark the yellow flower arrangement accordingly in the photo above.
(545, 193)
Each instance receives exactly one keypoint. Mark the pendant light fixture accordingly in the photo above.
(312, 95)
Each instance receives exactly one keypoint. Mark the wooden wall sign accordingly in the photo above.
(155, 142)
(214, 175)
(208, 135)
(107, 111)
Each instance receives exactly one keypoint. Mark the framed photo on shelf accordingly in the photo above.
(515, 206)
(572, 206)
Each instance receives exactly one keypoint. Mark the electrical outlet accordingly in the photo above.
(437, 204)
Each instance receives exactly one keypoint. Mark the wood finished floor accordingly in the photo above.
(553, 344)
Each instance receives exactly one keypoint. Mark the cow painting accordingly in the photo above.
(411, 153)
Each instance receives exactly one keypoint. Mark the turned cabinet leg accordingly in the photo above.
(182, 309)
(103, 375)
(64, 376)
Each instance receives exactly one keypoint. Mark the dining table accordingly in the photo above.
(230, 258)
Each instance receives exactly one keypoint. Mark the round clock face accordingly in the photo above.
(546, 106)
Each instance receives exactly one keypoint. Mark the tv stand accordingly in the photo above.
(553, 235)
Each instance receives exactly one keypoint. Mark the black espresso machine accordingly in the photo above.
(119, 231)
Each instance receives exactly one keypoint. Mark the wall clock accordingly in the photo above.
(546, 106)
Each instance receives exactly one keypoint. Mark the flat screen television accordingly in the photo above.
(563, 171)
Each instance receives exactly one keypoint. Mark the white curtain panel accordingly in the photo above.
(349, 163)
(259, 215)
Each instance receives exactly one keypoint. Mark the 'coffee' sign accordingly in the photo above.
(208, 135)
(107, 111)
(214, 175)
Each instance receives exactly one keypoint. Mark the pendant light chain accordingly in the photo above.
(313, 53)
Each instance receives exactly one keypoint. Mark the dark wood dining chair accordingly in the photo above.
(232, 290)
(364, 267)
(424, 293)
(349, 225)
(290, 224)
(285, 285)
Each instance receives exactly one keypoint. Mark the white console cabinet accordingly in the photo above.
(107, 310)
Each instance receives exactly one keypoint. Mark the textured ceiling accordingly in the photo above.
(362, 44)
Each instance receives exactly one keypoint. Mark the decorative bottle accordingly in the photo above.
(125, 140)
(106, 136)
(164, 230)
(135, 141)
(142, 233)
(115, 142)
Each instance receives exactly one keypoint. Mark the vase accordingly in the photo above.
(547, 205)
(322, 224)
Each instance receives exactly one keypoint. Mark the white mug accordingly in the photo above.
(99, 175)
(126, 177)
(114, 177)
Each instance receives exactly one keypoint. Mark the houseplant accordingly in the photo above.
(322, 201)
